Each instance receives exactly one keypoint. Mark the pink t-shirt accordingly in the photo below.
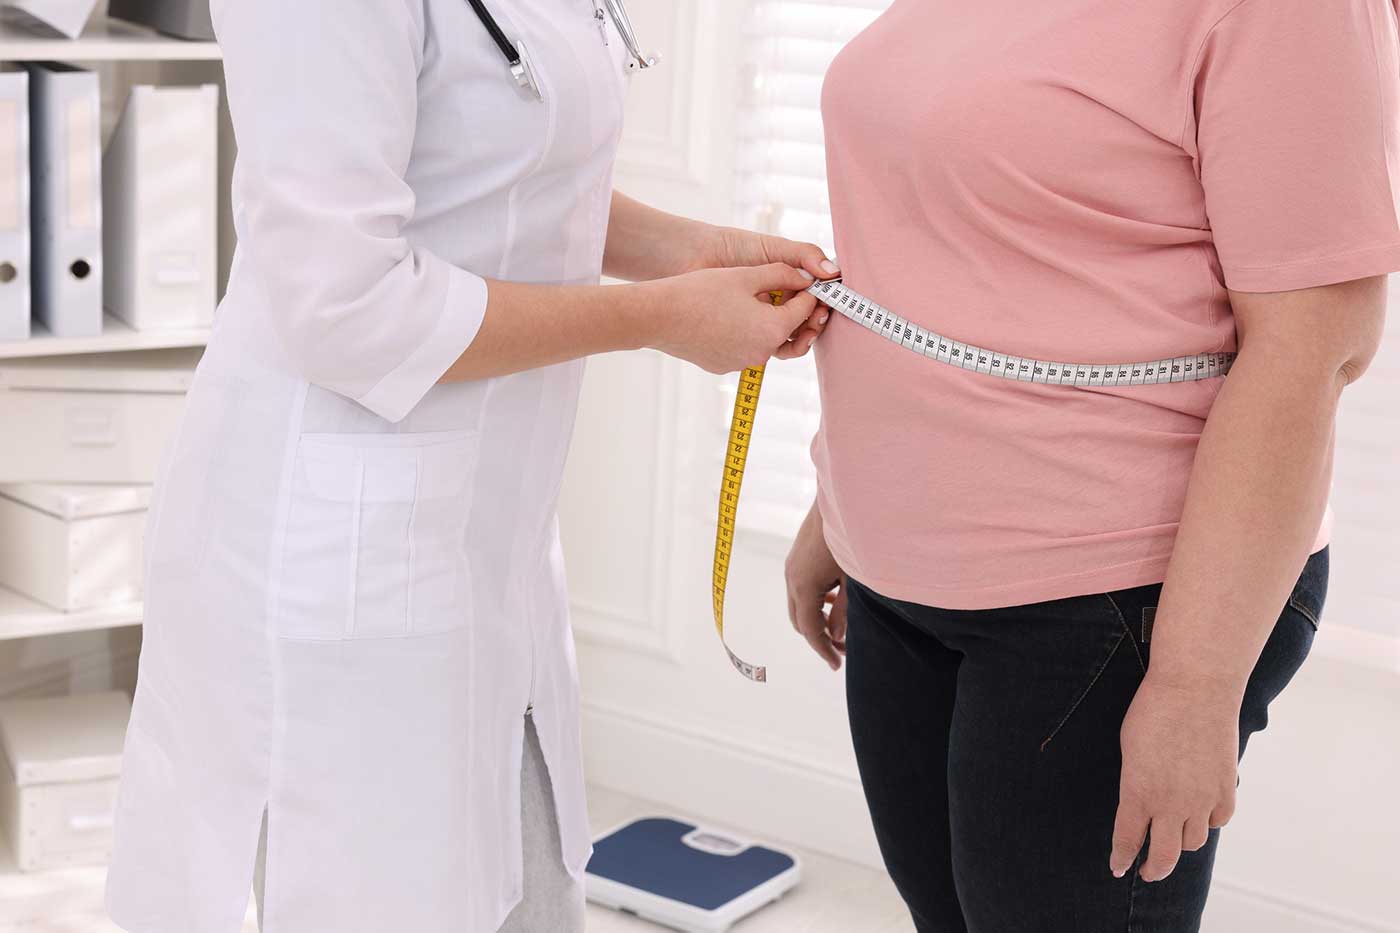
(1076, 181)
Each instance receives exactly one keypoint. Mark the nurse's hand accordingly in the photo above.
(730, 247)
(723, 320)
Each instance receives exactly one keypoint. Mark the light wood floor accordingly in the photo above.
(834, 897)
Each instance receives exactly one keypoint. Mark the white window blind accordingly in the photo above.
(781, 188)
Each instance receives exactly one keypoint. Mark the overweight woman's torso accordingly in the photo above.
(1079, 182)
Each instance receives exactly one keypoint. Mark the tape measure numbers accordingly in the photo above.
(926, 343)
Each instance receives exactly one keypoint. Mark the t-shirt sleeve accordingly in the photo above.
(1294, 125)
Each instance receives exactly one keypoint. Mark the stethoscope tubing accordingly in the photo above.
(508, 49)
(616, 9)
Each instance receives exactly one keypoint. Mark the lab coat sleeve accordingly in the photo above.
(324, 97)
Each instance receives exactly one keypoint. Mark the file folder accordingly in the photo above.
(161, 209)
(184, 19)
(14, 206)
(66, 171)
(67, 16)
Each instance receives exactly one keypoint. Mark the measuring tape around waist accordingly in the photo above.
(926, 343)
(896, 329)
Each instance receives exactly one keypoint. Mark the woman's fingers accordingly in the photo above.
(836, 619)
(778, 277)
(1195, 835)
(1223, 812)
(1129, 831)
(810, 623)
(1163, 848)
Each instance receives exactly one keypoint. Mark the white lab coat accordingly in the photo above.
(355, 581)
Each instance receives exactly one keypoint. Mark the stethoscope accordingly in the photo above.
(518, 60)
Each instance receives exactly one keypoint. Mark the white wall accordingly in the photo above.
(666, 718)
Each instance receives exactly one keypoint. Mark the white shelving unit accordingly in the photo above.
(50, 900)
(105, 40)
(21, 617)
(116, 337)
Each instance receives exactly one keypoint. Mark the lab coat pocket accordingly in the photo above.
(374, 542)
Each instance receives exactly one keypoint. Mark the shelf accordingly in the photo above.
(21, 617)
(105, 40)
(116, 336)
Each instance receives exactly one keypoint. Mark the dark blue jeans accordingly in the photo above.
(988, 749)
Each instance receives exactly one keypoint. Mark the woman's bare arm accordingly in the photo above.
(1256, 497)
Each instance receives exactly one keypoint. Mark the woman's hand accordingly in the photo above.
(730, 247)
(1180, 752)
(724, 320)
(816, 592)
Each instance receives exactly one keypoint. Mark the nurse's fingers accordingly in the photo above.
(807, 256)
(777, 277)
(790, 323)
(801, 342)
(797, 310)
(798, 346)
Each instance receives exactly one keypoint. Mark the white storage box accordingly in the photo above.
(103, 418)
(58, 779)
(73, 547)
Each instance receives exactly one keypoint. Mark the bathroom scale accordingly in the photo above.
(684, 876)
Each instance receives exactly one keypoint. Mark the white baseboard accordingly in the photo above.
(713, 777)
(810, 805)
(1239, 908)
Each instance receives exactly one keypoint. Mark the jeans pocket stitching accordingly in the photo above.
(1127, 631)
(1085, 692)
(1307, 613)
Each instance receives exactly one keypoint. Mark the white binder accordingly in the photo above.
(161, 209)
(14, 206)
(66, 170)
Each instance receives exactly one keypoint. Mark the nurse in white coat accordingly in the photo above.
(356, 600)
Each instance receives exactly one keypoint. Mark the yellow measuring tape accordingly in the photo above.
(737, 455)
